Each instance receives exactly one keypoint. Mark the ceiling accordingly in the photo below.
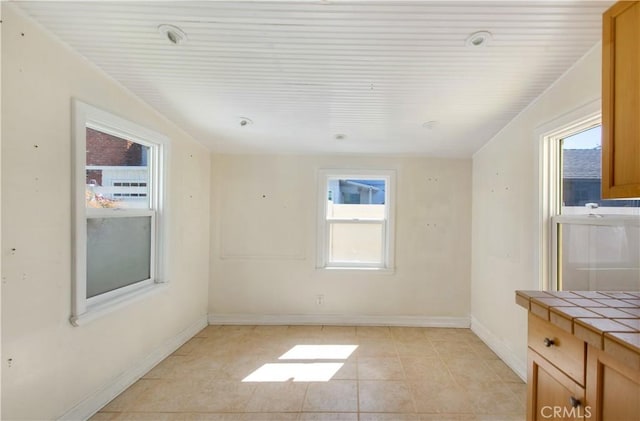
(389, 77)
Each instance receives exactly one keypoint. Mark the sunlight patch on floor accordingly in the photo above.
(319, 352)
(297, 372)
(314, 369)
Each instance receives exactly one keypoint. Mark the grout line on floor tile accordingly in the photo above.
(281, 338)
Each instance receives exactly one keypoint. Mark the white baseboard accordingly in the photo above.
(89, 406)
(337, 319)
(501, 349)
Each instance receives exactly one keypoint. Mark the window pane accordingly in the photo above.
(600, 257)
(581, 179)
(356, 192)
(355, 242)
(117, 172)
(356, 199)
(118, 252)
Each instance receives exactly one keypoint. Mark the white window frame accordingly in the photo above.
(85, 309)
(388, 223)
(549, 200)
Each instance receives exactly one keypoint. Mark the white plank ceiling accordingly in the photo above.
(306, 71)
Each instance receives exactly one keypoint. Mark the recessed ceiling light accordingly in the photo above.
(478, 39)
(174, 34)
(340, 136)
(244, 121)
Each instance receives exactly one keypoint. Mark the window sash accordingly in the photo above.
(324, 221)
(547, 199)
(348, 220)
(115, 213)
(343, 263)
(86, 116)
(580, 220)
(597, 219)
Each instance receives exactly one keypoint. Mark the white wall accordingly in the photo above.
(264, 252)
(505, 232)
(55, 365)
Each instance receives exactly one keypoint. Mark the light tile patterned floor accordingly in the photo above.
(394, 374)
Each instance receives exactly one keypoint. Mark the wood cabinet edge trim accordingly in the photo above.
(608, 61)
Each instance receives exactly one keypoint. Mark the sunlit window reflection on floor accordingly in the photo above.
(297, 372)
(314, 369)
(319, 352)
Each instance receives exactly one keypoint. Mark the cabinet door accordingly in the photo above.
(613, 388)
(621, 101)
(551, 394)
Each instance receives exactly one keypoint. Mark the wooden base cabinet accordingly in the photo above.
(570, 380)
(552, 394)
(582, 365)
(613, 388)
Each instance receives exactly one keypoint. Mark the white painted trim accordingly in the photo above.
(132, 295)
(93, 403)
(347, 269)
(388, 223)
(501, 348)
(607, 220)
(337, 319)
(546, 194)
(87, 116)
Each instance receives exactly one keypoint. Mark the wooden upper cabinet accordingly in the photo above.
(621, 101)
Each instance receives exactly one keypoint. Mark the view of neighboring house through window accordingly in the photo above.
(117, 172)
(355, 227)
(596, 241)
(118, 179)
(111, 158)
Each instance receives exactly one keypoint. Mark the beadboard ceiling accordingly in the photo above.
(391, 77)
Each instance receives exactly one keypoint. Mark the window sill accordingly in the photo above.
(598, 219)
(98, 310)
(382, 271)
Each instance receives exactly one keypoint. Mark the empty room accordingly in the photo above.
(320, 210)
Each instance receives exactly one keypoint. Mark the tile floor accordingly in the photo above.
(342, 374)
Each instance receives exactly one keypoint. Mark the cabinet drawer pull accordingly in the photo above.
(548, 342)
(575, 402)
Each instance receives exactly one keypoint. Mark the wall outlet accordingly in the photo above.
(320, 299)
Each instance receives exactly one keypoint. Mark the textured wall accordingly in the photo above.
(264, 240)
(53, 364)
(505, 198)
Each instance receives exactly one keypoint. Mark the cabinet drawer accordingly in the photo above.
(560, 348)
(552, 394)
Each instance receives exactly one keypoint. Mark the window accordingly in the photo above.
(118, 211)
(355, 228)
(595, 243)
